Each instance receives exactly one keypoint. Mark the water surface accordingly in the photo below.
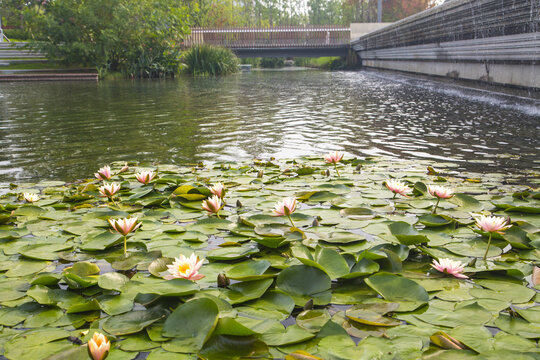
(66, 130)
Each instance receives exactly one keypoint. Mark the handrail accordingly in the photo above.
(326, 36)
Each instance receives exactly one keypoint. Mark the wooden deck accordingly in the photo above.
(49, 77)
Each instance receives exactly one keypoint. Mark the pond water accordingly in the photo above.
(66, 130)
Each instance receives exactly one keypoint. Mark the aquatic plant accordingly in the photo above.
(98, 346)
(208, 60)
(30, 197)
(145, 177)
(185, 268)
(352, 279)
(124, 227)
(451, 267)
(218, 190)
(334, 158)
(213, 205)
(109, 190)
(103, 173)
(492, 224)
(285, 208)
(440, 192)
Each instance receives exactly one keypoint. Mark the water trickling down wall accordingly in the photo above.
(495, 41)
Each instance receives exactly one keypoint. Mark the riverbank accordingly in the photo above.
(347, 276)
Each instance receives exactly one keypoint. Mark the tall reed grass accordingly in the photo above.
(207, 60)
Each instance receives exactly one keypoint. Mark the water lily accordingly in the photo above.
(397, 187)
(145, 177)
(185, 268)
(450, 267)
(285, 208)
(213, 205)
(109, 190)
(124, 168)
(334, 158)
(98, 346)
(492, 224)
(30, 197)
(218, 190)
(124, 227)
(104, 173)
(440, 192)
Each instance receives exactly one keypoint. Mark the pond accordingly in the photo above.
(66, 130)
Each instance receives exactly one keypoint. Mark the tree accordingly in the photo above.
(137, 37)
(394, 10)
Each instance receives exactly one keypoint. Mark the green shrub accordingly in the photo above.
(16, 34)
(272, 62)
(207, 60)
(139, 38)
(255, 62)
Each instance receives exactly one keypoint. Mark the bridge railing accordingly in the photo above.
(274, 37)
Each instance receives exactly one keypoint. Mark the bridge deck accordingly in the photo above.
(278, 38)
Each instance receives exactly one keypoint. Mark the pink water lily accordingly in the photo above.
(109, 190)
(104, 173)
(213, 205)
(30, 197)
(334, 158)
(145, 177)
(185, 268)
(450, 267)
(440, 192)
(285, 208)
(124, 227)
(492, 224)
(98, 346)
(218, 190)
(397, 187)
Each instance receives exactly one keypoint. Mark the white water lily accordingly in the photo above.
(185, 268)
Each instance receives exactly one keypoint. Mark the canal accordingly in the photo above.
(66, 130)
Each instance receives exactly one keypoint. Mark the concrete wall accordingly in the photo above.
(361, 29)
(494, 41)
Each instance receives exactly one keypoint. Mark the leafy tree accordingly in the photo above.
(140, 38)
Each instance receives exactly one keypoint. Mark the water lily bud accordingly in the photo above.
(238, 204)
(99, 346)
(124, 168)
(536, 276)
(327, 172)
(223, 281)
(315, 222)
(445, 341)
(358, 167)
(472, 263)
(308, 305)
(260, 174)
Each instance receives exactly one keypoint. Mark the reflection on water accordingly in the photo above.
(67, 130)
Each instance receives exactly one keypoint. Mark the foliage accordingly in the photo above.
(327, 63)
(139, 38)
(221, 13)
(16, 34)
(272, 62)
(255, 62)
(398, 9)
(356, 266)
(210, 60)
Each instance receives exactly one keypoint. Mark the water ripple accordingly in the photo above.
(67, 130)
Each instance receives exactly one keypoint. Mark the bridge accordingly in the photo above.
(283, 41)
